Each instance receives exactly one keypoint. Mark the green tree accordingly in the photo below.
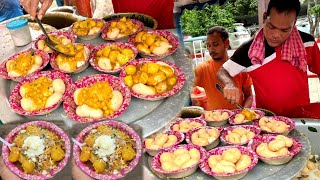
(314, 18)
(245, 7)
(196, 22)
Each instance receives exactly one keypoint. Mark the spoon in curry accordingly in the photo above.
(48, 41)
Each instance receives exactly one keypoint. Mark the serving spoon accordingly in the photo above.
(48, 41)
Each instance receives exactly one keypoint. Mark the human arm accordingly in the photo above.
(31, 7)
(230, 91)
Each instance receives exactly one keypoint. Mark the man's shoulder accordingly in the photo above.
(246, 45)
(306, 37)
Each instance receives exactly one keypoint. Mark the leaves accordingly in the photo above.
(196, 22)
(312, 129)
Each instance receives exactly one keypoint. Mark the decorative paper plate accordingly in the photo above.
(53, 128)
(3, 69)
(287, 120)
(115, 124)
(209, 146)
(237, 111)
(265, 138)
(70, 106)
(15, 96)
(119, 44)
(204, 166)
(67, 34)
(80, 68)
(156, 164)
(176, 88)
(106, 27)
(172, 39)
(256, 130)
(179, 120)
(152, 152)
(89, 37)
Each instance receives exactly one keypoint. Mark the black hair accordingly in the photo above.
(223, 32)
(284, 6)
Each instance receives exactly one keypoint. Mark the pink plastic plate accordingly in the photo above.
(181, 79)
(3, 69)
(116, 124)
(70, 106)
(119, 44)
(15, 96)
(53, 128)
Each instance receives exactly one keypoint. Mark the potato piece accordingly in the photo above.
(143, 89)
(33, 68)
(76, 95)
(38, 60)
(57, 154)
(13, 73)
(116, 100)
(104, 63)
(53, 99)
(27, 104)
(58, 86)
(86, 111)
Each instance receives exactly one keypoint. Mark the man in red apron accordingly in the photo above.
(277, 60)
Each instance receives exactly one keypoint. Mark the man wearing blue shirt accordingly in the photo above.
(9, 9)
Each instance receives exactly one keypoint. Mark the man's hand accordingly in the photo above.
(31, 7)
(231, 93)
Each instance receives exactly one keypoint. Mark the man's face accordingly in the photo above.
(216, 46)
(278, 26)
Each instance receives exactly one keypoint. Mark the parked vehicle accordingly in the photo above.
(238, 35)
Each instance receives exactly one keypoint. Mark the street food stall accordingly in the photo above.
(154, 123)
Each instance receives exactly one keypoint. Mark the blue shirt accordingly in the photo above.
(9, 9)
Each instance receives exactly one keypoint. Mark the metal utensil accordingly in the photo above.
(48, 41)
(6, 143)
(221, 90)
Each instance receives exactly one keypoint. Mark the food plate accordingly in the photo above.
(265, 138)
(118, 125)
(15, 96)
(256, 130)
(172, 39)
(3, 70)
(237, 111)
(204, 166)
(67, 34)
(156, 164)
(124, 38)
(216, 122)
(152, 152)
(176, 88)
(79, 69)
(210, 145)
(53, 128)
(70, 106)
(89, 37)
(118, 44)
(287, 120)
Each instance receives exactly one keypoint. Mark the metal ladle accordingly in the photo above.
(48, 41)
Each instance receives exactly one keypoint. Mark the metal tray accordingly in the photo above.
(149, 115)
